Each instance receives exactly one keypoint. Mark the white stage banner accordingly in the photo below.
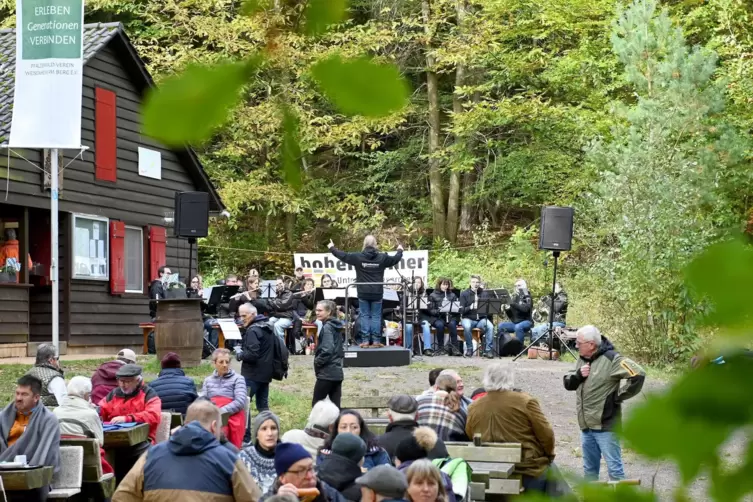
(315, 265)
(49, 74)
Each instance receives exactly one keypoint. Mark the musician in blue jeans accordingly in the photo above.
(369, 264)
(472, 318)
(519, 312)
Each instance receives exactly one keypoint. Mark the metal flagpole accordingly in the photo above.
(54, 240)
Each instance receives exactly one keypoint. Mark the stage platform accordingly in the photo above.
(356, 357)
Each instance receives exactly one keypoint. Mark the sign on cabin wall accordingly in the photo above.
(315, 265)
(49, 74)
(150, 163)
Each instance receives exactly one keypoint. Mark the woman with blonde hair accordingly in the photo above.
(425, 483)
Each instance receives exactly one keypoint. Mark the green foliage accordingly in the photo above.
(656, 204)
(187, 108)
(320, 14)
(291, 150)
(360, 86)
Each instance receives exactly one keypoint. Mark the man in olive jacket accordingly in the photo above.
(596, 380)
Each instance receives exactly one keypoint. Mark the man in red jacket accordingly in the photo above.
(131, 401)
(103, 379)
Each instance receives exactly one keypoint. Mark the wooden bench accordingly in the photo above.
(475, 334)
(95, 485)
(374, 402)
(492, 466)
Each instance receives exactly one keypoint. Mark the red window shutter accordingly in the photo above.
(157, 245)
(117, 258)
(105, 135)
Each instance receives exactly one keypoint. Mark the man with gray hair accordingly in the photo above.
(597, 377)
(76, 415)
(318, 427)
(47, 370)
(369, 265)
(505, 415)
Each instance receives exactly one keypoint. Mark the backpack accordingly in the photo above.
(279, 359)
(460, 473)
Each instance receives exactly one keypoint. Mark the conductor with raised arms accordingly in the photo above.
(369, 264)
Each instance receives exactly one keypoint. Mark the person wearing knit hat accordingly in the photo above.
(174, 388)
(341, 467)
(259, 457)
(417, 447)
(296, 473)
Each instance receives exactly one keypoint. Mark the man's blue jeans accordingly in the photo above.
(538, 330)
(370, 315)
(212, 335)
(280, 325)
(260, 390)
(426, 331)
(519, 329)
(484, 325)
(596, 444)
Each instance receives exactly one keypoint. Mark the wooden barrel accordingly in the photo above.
(179, 329)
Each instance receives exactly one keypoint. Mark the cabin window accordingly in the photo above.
(90, 247)
(134, 259)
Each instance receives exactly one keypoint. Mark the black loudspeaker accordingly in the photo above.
(191, 214)
(556, 228)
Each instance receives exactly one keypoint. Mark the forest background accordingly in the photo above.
(640, 125)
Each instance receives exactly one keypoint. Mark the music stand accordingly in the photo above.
(550, 329)
(492, 306)
(218, 296)
(412, 310)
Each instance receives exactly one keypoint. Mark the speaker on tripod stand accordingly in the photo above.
(556, 235)
(191, 219)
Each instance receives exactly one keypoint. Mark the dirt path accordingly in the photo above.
(540, 378)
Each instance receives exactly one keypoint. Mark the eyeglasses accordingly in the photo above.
(305, 471)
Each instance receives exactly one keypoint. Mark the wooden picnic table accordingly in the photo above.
(26, 479)
(126, 437)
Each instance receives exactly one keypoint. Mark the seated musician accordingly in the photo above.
(78, 417)
(326, 282)
(227, 389)
(281, 308)
(28, 428)
(303, 304)
(296, 476)
(417, 292)
(250, 295)
(560, 314)
(473, 318)
(505, 415)
(131, 401)
(157, 290)
(519, 311)
(443, 295)
(299, 280)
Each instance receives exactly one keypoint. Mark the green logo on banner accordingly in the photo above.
(51, 29)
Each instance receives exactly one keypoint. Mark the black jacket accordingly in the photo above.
(397, 431)
(156, 290)
(369, 265)
(303, 303)
(560, 307)
(282, 306)
(340, 473)
(175, 390)
(467, 298)
(329, 353)
(436, 299)
(520, 307)
(258, 351)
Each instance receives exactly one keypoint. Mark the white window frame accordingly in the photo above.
(125, 257)
(106, 232)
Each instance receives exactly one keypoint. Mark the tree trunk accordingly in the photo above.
(432, 90)
(453, 199)
(290, 229)
(466, 209)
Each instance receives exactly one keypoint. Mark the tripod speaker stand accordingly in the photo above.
(550, 330)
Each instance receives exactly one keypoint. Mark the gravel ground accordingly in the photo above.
(542, 379)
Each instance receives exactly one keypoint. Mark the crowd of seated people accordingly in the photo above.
(333, 459)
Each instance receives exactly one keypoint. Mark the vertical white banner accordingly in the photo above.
(49, 74)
